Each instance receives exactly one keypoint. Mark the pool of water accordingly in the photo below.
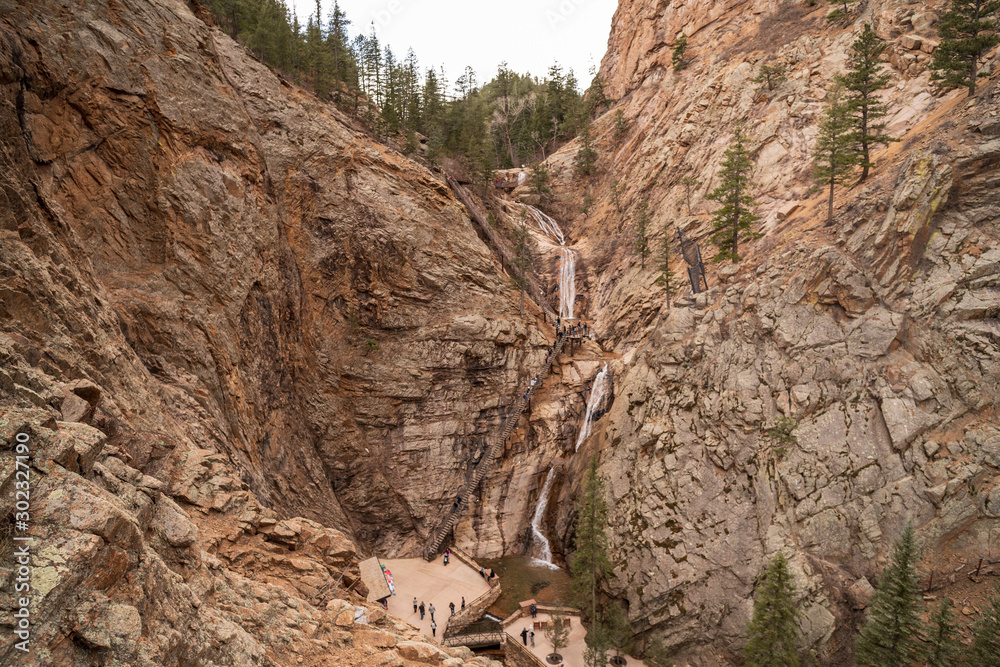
(525, 579)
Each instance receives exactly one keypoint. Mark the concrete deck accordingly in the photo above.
(432, 582)
(572, 654)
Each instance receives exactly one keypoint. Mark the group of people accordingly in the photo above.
(527, 634)
(487, 575)
(424, 609)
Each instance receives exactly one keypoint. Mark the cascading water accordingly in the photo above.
(567, 271)
(567, 283)
(597, 393)
(540, 544)
(548, 226)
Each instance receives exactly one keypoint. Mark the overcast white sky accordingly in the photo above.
(528, 34)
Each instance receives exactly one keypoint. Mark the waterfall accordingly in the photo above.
(521, 178)
(544, 549)
(567, 283)
(597, 393)
(548, 226)
(567, 272)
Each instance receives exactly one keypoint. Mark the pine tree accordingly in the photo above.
(864, 78)
(557, 631)
(891, 635)
(734, 221)
(641, 241)
(621, 124)
(942, 649)
(772, 630)
(596, 97)
(598, 643)
(688, 182)
(985, 645)
(839, 13)
(590, 563)
(539, 178)
(523, 257)
(619, 632)
(678, 59)
(770, 75)
(835, 155)
(586, 157)
(666, 277)
(657, 654)
(968, 31)
(337, 43)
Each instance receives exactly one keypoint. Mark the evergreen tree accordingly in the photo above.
(835, 155)
(586, 157)
(772, 630)
(864, 78)
(621, 124)
(523, 257)
(845, 6)
(641, 241)
(590, 563)
(557, 631)
(657, 654)
(678, 59)
(891, 635)
(733, 222)
(619, 632)
(688, 182)
(539, 178)
(968, 31)
(942, 649)
(770, 75)
(616, 195)
(985, 647)
(596, 97)
(598, 643)
(336, 38)
(666, 277)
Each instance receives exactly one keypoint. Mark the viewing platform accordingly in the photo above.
(437, 583)
(535, 655)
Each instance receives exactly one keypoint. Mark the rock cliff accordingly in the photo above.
(250, 342)
(876, 335)
(228, 266)
(255, 340)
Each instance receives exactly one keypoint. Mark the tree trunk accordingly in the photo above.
(864, 142)
(829, 213)
(736, 225)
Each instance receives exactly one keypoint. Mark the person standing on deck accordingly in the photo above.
(431, 609)
(414, 605)
(434, 629)
(524, 636)
(422, 611)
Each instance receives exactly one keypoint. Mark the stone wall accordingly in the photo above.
(516, 655)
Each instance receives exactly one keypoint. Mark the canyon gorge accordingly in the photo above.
(252, 345)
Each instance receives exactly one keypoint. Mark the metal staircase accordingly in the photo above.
(444, 528)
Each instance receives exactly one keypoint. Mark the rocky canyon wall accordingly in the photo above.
(230, 267)
(876, 335)
(248, 341)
